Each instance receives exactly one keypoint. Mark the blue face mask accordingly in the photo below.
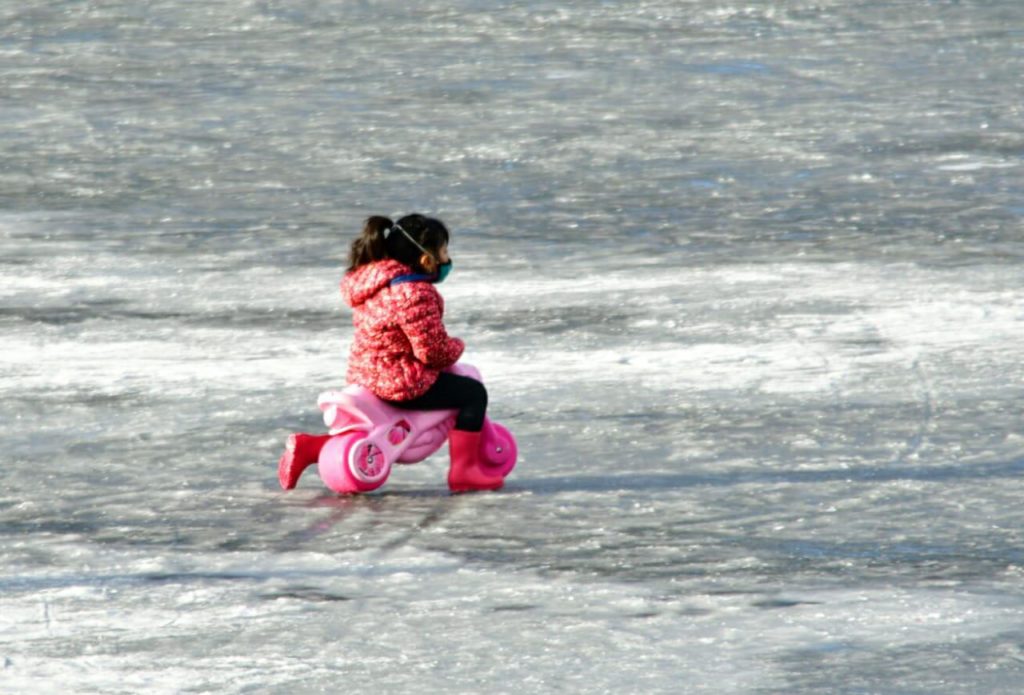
(443, 271)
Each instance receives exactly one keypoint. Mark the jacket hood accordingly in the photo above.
(364, 282)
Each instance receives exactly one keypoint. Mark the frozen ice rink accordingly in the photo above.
(744, 279)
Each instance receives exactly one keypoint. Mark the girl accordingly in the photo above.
(400, 349)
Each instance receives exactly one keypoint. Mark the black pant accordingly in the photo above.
(453, 391)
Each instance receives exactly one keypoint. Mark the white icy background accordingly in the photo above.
(745, 282)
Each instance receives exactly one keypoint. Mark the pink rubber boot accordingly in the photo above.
(301, 451)
(468, 471)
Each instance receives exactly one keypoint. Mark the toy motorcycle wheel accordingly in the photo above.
(350, 463)
(499, 448)
(367, 462)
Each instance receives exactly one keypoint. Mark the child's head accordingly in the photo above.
(415, 240)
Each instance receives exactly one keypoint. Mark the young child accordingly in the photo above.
(400, 349)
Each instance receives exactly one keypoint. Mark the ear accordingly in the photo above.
(428, 263)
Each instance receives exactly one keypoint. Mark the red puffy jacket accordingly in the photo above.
(400, 343)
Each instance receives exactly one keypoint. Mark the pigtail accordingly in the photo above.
(371, 245)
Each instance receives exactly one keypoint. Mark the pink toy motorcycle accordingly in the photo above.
(367, 436)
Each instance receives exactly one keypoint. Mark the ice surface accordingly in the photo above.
(744, 280)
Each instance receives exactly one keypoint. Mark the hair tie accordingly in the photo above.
(407, 235)
(393, 227)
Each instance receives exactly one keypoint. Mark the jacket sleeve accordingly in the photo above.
(421, 322)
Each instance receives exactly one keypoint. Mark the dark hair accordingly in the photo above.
(381, 239)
